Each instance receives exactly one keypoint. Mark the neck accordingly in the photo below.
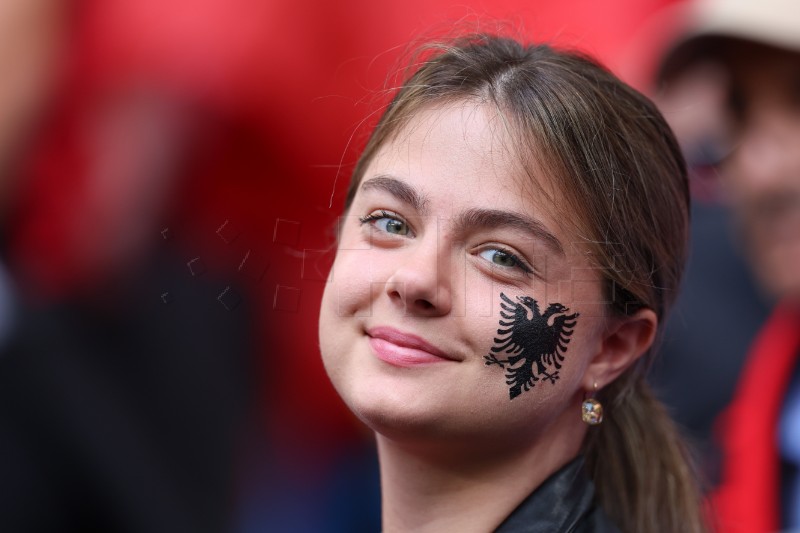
(429, 488)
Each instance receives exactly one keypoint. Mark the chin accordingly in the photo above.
(778, 271)
(402, 425)
(432, 417)
(784, 287)
(389, 406)
(403, 412)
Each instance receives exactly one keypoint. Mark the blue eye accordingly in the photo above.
(387, 223)
(392, 225)
(506, 259)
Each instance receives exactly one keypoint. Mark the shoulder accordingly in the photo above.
(564, 503)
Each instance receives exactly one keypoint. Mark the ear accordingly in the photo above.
(624, 341)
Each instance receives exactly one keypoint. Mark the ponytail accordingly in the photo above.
(640, 466)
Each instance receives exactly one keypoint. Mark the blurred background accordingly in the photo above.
(170, 177)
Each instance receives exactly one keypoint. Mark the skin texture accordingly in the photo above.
(419, 265)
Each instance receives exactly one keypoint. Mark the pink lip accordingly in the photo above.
(404, 349)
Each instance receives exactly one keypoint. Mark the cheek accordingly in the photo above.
(476, 299)
(344, 299)
(347, 299)
(351, 283)
(538, 348)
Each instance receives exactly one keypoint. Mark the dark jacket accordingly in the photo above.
(564, 503)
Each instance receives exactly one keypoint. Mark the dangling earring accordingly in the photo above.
(591, 409)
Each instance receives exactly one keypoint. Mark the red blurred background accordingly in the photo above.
(229, 127)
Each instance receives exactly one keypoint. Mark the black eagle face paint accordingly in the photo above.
(534, 342)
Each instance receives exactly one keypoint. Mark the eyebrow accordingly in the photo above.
(398, 189)
(494, 218)
(469, 219)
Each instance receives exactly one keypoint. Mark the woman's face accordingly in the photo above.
(427, 326)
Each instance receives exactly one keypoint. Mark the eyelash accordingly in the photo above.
(383, 214)
(376, 216)
(518, 262)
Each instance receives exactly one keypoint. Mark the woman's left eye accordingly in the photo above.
(506, 259)
(387, 222)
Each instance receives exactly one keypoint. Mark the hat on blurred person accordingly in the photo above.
(708, 23)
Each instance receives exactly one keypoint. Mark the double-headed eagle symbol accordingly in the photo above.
(530, 338)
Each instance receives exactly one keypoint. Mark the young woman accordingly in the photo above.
(514, 234)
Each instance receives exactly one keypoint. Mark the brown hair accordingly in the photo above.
(623, 174)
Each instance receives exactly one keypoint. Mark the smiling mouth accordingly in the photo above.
(404, 349)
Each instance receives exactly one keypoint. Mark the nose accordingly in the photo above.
(420, 282)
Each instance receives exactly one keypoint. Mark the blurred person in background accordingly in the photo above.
(730, 87)
(124, 378)
(31, 33)
(720, 307)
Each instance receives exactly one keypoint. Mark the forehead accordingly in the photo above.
(468, 152)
